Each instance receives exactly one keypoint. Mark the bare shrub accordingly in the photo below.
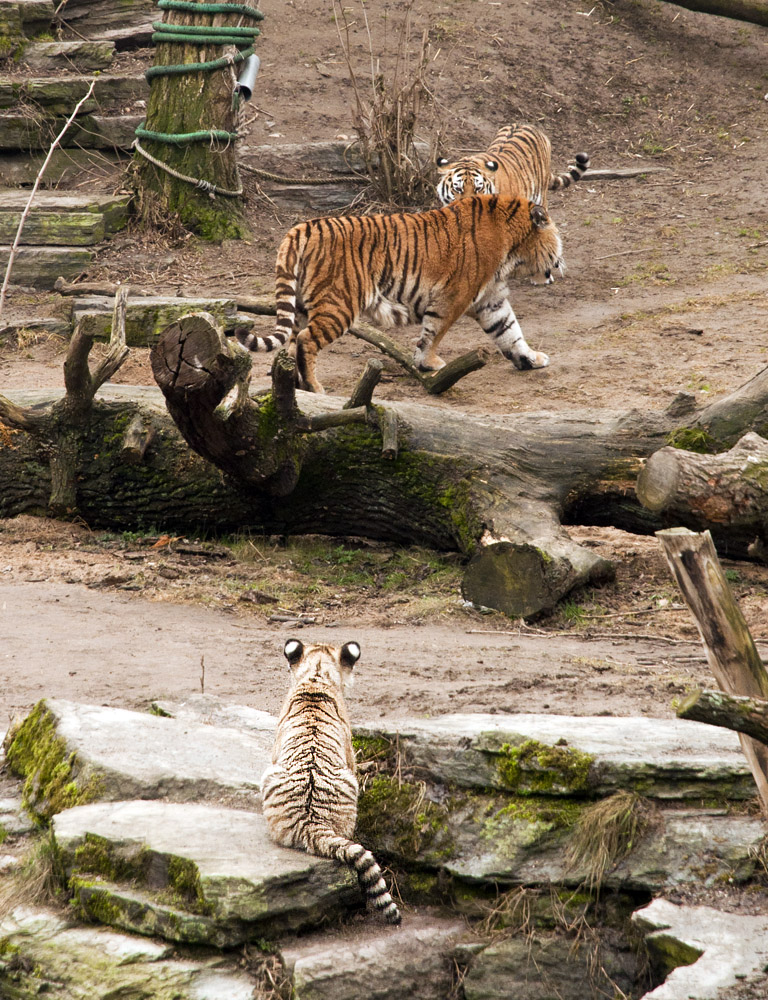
(401, 175)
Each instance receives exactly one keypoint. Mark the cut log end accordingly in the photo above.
(524, 581)
(186, 353)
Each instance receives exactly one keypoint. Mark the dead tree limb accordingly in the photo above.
(731, 652)
(755, 11)
(62, 426)
(726, 493)
(729, 711)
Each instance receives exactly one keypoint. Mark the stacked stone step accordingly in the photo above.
(157, 825)
(57, 232)
(41, 83)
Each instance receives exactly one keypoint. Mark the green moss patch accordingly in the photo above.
(693, 439)
(535, 768)
(54, 781)
(395, 817)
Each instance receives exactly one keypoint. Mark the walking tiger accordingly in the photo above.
(309, 793)
(426, 267)
(516, 164)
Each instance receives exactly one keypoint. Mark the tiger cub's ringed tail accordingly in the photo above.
(309, 793)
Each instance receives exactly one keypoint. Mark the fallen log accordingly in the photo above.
(729, 711)
(731, 651)
(726, 493)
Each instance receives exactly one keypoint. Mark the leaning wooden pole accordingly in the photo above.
(731, 651)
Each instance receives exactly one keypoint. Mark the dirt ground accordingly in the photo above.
(665, 292)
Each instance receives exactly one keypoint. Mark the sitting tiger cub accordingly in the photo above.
(426, 267)
(309, 794)
(517, 163)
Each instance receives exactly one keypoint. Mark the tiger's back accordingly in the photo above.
(516, 164)
(426, 267)
(309, 793)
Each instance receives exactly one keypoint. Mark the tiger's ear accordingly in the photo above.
(293, 650)
(441, 162)
(350, 654)
(492, 165)
(539, 216)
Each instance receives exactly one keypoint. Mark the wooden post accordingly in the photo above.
(731, 652)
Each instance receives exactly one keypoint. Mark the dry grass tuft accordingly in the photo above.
(606, 832)
(386, 121)
(38, 881)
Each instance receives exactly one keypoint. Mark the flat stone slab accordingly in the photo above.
(60, 94)
(682, 847)
(212, 711)
(194, 873)
(71, 962)
(80, 55)
(413, 960)
(704, 950)
(46, 326)
(71, 753)
(92, 131)
(39, 267)
(661, 758)
(146, 316)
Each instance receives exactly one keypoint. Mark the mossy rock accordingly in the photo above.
(55, 777)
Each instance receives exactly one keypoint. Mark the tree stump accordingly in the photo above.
(189, 103)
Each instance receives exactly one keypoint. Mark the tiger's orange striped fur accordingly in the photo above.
(309, 794)
(427, 267)
(517, 164)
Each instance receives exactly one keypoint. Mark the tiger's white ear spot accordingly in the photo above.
(441, 161)
(350, 654)
(492, 164)
(293, 650)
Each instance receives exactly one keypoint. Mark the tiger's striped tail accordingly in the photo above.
(328, 845)
(286, 272)
(572, 174)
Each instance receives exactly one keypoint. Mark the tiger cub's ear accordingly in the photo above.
(539, 216)
(293, 650)
(492, 165)
(350, 654)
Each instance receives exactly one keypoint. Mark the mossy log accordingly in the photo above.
(742, 714)
(187, 103)
(731, 651)
(726, 493)
(497, 489)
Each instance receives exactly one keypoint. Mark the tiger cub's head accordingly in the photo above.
(320, 664)
(540, 251)
(465, 177)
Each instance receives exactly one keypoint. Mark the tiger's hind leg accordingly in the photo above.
(321, 330)
(495, 316)
(434, 326)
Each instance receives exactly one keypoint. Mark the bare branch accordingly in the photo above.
(118, 351)
(362, 394)
(22, 418)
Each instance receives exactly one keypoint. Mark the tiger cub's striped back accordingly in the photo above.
(516, 164)
(309, 794)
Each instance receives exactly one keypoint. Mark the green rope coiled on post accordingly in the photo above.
(211, 8)
(205, 34)
(182, 138)
(203, 67)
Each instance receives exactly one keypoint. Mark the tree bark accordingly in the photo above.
(744, 715)
(731, 652)
(188, 103)
(726, 493)
(755, 11)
